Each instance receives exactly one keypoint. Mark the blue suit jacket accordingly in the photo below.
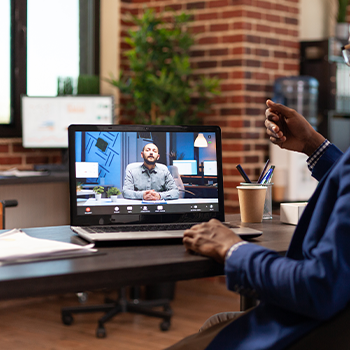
(310, 284)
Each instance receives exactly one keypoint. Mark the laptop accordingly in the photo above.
(180, 168)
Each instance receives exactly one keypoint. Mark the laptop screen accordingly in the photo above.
(130, 174)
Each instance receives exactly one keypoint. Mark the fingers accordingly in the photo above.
(273, 131)
(271, 115)
(277, 107)
(211, 239)
(188, 233)
(188, 240)
(276, 138)
(273, 122)
(278, 142)
(272, 127)
(192, 231)
(187, 243)
(192, 235)
(151, 195)
(203, 229)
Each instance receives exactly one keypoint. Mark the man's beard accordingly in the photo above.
(149, 162)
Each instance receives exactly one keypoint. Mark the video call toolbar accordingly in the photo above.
(146, 208)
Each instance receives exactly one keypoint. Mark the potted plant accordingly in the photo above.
(98, 192)
(161, 87)
(113, 193)
(342, 27)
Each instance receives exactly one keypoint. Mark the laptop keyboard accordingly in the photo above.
(135, 228)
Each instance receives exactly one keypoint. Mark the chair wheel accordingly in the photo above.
(67, 319)
(164, 326)
(101, 332)
(82, 297)
(167, 308)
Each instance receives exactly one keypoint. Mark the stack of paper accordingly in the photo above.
(16, 246)
(21, 173)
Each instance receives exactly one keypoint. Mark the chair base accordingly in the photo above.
(121, 305)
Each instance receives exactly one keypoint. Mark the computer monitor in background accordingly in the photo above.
(186, 167)
(45, 120)
(210, 168)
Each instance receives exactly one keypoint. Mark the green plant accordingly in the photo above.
(64, 86)
(113, 191)
(98, 189)
(342, 11)
(173, 155)
(88, 85)
(161, 85)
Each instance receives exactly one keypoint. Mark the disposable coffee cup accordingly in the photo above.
(251, 202)
(268, 198)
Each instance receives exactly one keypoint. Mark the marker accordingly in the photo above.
(242, 172)
(263, 172)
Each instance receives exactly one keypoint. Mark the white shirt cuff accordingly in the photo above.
(234, 248)
(314, 158)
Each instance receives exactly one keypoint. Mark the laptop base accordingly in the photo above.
(243, 232)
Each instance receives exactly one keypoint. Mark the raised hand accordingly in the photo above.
(290, 130)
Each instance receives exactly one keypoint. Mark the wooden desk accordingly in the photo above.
(276, 236)
(120, 266)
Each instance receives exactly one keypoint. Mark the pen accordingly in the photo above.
(270, 178)
(268, 175)
(242, 172)
(263, 172)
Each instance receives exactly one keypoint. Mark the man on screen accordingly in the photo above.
(149, 181)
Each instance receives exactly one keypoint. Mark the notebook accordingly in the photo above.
(169, 178)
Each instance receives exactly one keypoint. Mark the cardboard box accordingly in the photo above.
(290, 213)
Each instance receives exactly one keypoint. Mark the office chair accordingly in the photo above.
(3, 205)
(174, 171)
(332, 334)
(121, 305)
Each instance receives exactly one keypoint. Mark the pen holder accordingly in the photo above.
(267, 215)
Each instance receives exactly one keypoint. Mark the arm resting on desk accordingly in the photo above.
(317, 286)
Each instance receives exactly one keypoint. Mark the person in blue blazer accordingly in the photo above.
(303, 289)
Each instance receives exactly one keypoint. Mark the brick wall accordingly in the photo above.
(13, 155)
(247, 44)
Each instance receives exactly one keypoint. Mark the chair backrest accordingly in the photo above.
(332, 334)
(6, 204)
(174, 171)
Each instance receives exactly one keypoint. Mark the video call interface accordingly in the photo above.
(185, 176)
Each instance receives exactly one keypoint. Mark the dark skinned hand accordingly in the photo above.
(211, 239)
(290, 130)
